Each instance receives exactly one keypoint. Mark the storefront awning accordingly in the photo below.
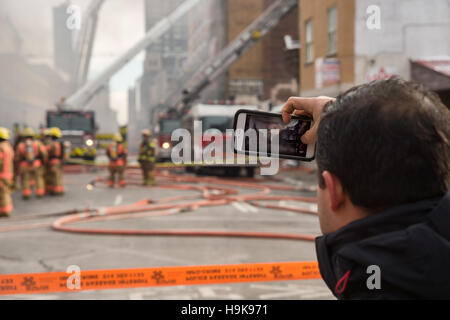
(433, 73)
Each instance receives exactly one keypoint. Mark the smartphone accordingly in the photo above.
(256, 133)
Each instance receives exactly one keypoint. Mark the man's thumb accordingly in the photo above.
(310, 136)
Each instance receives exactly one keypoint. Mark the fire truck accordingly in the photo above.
(78, 128)
(218, 116)
(167, 122)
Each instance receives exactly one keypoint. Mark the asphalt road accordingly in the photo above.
(42, 249)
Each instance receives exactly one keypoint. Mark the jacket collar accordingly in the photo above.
(440, 217)
(437, 211)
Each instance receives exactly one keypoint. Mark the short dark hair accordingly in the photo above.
(387, 142)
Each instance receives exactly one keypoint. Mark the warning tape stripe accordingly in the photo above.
(47, 282)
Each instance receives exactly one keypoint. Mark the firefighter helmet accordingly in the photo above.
(117, 137)
(4, 133)
(55, 132)
(28, 132)
(146, 132)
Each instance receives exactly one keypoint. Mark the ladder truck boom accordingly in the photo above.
(85, 42)
(232, 52)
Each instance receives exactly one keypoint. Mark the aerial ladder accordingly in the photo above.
(207, 73)
(232, 52)
(85, 42)
(86, 92)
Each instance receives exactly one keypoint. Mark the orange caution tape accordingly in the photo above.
(154, 277)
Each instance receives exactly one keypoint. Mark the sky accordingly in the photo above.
(120, 25)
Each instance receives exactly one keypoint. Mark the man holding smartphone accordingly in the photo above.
(383, 157)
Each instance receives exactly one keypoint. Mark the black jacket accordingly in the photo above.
(409, 243)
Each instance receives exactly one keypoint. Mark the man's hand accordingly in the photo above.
(309, 107)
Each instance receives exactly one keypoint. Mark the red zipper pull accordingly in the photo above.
(342, 283)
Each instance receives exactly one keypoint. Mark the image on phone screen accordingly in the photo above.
(289, 135)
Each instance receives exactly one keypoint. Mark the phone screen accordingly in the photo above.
(289, 135)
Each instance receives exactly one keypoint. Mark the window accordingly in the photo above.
(309, 44)
(332, 30)
(221, 123)
(167, 126)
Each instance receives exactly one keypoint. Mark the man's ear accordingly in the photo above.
(334, 189)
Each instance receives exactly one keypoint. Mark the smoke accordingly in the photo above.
(27, 48)
(30, 84)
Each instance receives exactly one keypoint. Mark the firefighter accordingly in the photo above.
(54, 168)
(31, 156)
(117, 155)
(16, 140)
(147, 158)
(6, 173)
(41, 135)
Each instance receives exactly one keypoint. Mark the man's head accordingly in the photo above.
(381, 144)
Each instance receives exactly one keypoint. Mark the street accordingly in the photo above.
(30, 245)
(224, 150)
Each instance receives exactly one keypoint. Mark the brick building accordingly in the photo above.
(350, 42)
(267, 71)
(327, 40)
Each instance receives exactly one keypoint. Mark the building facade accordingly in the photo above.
(169, 52)
(207, 36)
(161, 67)
(266, 72)
(172, 62)
(327, 42)
(64, 55)
(27, 90)
(350, 42)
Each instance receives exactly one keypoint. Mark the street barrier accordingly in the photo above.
(48, 282)
(211, 191)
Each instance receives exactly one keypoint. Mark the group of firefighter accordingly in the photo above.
(39, 163)
(117, 155)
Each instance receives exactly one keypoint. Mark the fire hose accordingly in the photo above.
(211, 195)
(210, 192)
(217, 192)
